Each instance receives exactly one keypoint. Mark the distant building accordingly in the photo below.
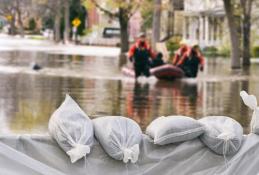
(171, 18)
(92, 17)
(197, 21)
(204, 22)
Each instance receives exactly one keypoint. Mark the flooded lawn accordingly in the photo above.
(28, 98)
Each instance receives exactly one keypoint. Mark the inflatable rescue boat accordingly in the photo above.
(166, 71)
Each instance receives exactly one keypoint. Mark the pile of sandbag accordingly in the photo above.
(74, 132)
(120, 137)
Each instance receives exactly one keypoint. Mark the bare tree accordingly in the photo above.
(234, 35)
(15, 10)
(122, 10)
(7, 9)
(54, 10)
(18, 9)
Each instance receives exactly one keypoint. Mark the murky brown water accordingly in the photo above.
(28, 99)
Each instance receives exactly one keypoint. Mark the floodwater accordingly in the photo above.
(28, 98)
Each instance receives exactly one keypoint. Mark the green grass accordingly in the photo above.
(37, 37)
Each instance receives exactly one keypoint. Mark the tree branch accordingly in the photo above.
(133, 10)
(104, 10)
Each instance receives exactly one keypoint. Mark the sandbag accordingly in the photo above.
(173, 129)
(119, 136)
(72, 129)
(251, 102)
(223, 135)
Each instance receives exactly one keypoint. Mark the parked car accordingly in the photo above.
(111, 32)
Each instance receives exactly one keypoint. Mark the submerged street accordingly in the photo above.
(99, 87)
(134, 87)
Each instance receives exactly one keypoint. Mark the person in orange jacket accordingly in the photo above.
(184, 48)
(139, 54)
(191, 61)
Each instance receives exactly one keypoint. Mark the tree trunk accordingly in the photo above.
(12, 26)
(246, 40)
(124, 37)
(67, 22)
(246, 6)
(156, 23)
(234, 37)
(57, 34)
(21, 30)
(19, 14)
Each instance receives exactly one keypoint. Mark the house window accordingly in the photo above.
(178, 4)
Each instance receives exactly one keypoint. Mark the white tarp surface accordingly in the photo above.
(34, 155)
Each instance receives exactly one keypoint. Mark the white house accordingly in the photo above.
(204, 22)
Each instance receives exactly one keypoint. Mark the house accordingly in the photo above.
(171, 18)
(204, 22)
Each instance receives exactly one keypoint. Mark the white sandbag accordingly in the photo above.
(223, 135)
(72, 129)
(251, 102)
(172, 129)
(119, 136)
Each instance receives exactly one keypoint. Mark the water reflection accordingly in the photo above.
(138, 103)
(28, 100)
(144, 103)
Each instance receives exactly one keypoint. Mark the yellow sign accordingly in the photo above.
(9, 17)
(76, 22)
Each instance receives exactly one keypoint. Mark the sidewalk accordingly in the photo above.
(8, 43)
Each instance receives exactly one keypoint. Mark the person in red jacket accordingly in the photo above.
(184, 48)
(191, 61)
(139, 54)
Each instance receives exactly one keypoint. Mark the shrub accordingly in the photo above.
(255, 51)
(173, 44)
(32, 24)
(224, 51)
(87, 31)
(210, 51)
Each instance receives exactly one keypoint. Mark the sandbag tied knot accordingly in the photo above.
(251, 102)
(226, 136)
(131, 154)
(78, 151)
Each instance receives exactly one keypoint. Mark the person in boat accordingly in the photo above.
(180, 53)
(140, 54)
(157, 61)
(191, 62)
